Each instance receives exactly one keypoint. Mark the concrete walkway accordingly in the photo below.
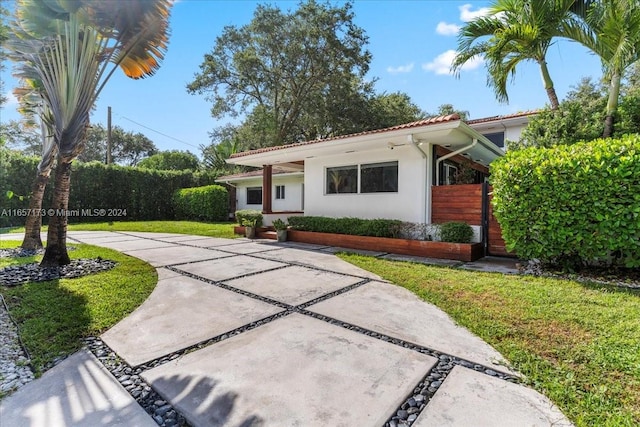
(259, 333)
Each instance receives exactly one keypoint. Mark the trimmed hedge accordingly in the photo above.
(143, 193)
(352, 226)
(250, 215)
(455, 232)
(572, 205)
(207, 203)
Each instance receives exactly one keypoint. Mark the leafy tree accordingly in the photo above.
(282, 69)
(611, 30)
(514, 31)
(128, 148)
(171, 160)
(447, 109)
(67, 51)
(581, 114)
(21, 138)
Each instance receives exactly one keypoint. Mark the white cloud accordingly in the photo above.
(12, 101)
(441, 65)
(400, 69)
(466, 14)
(445, 29)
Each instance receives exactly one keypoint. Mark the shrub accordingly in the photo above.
(143, 194)
(353, 226)
(249, 216)
(279, 224)
(572, 205)
(456, 232)
(207, 203)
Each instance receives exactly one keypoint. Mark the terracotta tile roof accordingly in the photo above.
(424, 122)
(256, 173)
(506, 116)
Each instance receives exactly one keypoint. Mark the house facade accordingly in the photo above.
(385, 173)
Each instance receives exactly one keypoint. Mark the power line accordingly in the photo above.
(158, 132)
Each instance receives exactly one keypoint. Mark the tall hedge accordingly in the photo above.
(572, 205)
(208, 203)
(127, 193)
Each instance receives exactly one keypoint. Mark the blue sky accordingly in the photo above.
(412, 43)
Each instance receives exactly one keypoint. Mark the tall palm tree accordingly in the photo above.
(611, 30)
(513, 32)
(73, 48)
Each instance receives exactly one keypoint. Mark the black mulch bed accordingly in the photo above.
(628, 278)
(19, 274)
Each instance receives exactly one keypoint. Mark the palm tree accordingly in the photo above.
(73, 48)
(611, 30)
(513, 32)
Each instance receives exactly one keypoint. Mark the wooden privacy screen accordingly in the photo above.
(464, 203)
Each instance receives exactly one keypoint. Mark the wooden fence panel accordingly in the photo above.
(457, 203)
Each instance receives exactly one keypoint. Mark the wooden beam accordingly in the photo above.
(267, 179)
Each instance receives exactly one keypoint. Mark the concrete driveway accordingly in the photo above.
(257, 333)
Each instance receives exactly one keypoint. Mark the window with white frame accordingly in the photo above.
(379, 178)
(365, 178)
(254, 195)
(342, 179)
(450, 172)
(279, 192)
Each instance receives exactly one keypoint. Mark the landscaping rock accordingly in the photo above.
(19, 274)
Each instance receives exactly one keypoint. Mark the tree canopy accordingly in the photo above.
(128, 148)
(291, 72)
(171, 160)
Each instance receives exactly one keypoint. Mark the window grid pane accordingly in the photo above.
(379, 178)
(343, 179)
(254, 195)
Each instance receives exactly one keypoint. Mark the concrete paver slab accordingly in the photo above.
(92, 234)
(106, 239)
(248, 248)
(179, 313)
(394, 311)
(494, 265)
(182, 238)
(149, 235)
(175, 255)
(135, 244)
(293, 285)
(294, 371)
(470, 398)
(77, 392)
(212, 242)
(229, 268)
(315, 259)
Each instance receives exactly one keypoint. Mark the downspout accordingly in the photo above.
(452, 154)
(426, 212)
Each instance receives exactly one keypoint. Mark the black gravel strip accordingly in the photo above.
(130, 378)
(19, 252)
(331, 295)
(19, 274)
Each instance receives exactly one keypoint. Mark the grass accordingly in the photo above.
(578, 344)
(218, 229)
(54, 316)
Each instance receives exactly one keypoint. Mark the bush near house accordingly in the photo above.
(572, 205)
(250, 215)
(207, 203)
(144, 194)
(455, 232)
(352, 226)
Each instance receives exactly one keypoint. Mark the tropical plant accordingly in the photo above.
(514, 31)
(611, 30)
(279, 224)
(69, 50)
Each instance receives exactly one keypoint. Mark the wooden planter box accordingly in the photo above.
(457, 251)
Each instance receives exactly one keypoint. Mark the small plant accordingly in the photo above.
(279, 224)
(250, 222)
(456, 232)
(252, 214)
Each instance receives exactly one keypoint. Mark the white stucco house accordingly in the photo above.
(385, 173)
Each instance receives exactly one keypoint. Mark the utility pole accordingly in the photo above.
(108, 135)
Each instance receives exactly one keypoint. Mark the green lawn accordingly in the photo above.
(578, 344)
(220, 229)
(54, 316)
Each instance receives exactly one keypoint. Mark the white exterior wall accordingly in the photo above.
(292, 193)
(512, 133)
(408, 204)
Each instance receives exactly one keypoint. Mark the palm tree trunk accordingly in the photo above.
(548, 85)
(56, 252)
(612, 105)
(33, 224)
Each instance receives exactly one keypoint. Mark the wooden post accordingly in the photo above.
(266, 188)
(109, 135)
